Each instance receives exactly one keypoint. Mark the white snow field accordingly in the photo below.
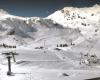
(62, 46)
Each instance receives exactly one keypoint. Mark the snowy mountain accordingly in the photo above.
(65, 42)
(87, 20)
(63, 26)
(72, 17)
(24, 30)
(21, 31)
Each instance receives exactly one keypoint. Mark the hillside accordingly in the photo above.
(25, 31)
(63, 46)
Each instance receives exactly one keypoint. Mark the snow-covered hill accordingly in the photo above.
(68, 39)
(74, 17)
(63, 26)
(87, 20)
(33, 30)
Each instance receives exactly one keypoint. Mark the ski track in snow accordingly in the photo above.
(47, 64)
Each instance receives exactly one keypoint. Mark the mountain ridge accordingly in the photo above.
(57, 27)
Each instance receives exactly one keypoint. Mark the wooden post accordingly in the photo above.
(13, 56)
(9, 73)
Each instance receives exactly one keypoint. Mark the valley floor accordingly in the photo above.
(40, 65)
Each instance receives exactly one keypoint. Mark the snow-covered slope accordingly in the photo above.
(87, 20)
(63, 26)
(32, 30)
(41, 43)
(74, 17)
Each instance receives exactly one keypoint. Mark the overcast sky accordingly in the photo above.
(41, 8)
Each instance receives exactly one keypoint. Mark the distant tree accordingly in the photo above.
(83, 24)
(92, 14)
(66, 45)
(4, 45)
(61, 45)
(57, 45)
(72, 43)
(96, 30)
(14, 46)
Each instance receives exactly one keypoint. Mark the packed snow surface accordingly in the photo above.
(57, 47)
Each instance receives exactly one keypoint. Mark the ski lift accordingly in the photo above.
(10, 55)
